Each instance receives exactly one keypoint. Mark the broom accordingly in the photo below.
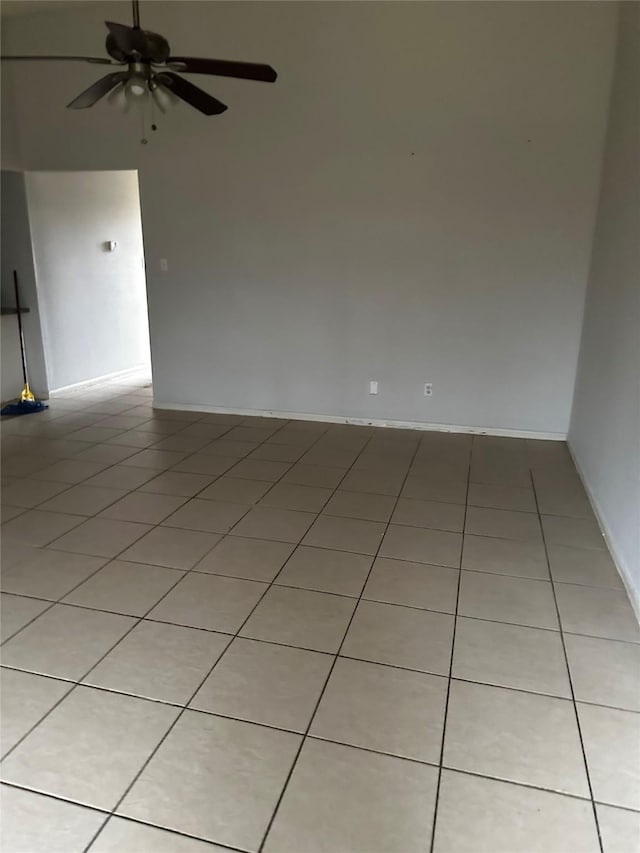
(27, 402)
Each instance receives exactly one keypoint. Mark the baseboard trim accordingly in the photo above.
(621, 564)
(98, 380)
(377, 422)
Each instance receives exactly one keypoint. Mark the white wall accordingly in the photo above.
(412, 201)
(605, 422)
(17, 255)
(92, 301)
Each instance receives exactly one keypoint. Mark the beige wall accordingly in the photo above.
(605, 422)
(412, 202)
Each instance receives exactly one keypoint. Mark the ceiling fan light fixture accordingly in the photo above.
(136, 88)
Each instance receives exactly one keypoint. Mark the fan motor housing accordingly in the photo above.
(158, 49)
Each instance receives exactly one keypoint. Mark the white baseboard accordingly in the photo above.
(98, 380)
(377, 422)
(620, 562)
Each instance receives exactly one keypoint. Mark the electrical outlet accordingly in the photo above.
(428, 389)
(373, 387)
(164, 266)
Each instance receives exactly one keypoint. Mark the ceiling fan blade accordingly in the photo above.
(193, 96)
(225, 68)
(100, 88)
(129, 39)
(93, 59)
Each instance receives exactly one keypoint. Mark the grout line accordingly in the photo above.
(429, 673)
(568, 668)
(450, 677)
(78, 682)
(335, 660)
(186, 704)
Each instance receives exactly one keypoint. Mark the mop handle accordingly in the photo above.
(22, 352)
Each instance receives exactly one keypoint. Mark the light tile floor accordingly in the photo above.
(224, 632)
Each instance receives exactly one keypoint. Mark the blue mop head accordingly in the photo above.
(23, 407)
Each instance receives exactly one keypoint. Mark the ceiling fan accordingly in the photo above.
(150, 72)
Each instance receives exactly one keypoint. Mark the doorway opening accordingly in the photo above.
(88, 250)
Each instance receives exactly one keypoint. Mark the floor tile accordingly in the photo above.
(209, 601)
(575, 532)
(250, 433)
(505, 557)
(443, 491)
(128, 588)
(314, 475)
(144, 507)
(283, 525)
(23, 465)
(182, 441)
(326, 570)
(83, 500)
(298, 617)
(505, 473)
(510, 656)
(44, 573)
(612, 746)
(39, 528)
(384, 709)
(400, 636)
(158, 661)
(259, 469)
(502, 497)
(291, 496)
(619, 829)
(375, 482)
(571, 502)
(207, 516)
(369, 507)
(413, 584)
(604, 672)
(254, 559)
(65, 641)
(240, 767)
(122, 835)
(235, 490)
(18, 612)
(478, 815)
(121, 477)
(204, 463)
(515, 736)
(100, 537)
(90, 747)
(345, 799)
(506, 599)
(32, 822)
(278, 452)
(26, 698)
(171, 547)
(421, 545)
(69, 471)
(158, 460)
(109, 454)
(264, 683)
(597, 612)
(503, 523)
(10, 512)
(177, 483)
(29, 493)
(345, 534)
(95, 433)
(432, 514)
(583, 566)
(230, 448)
